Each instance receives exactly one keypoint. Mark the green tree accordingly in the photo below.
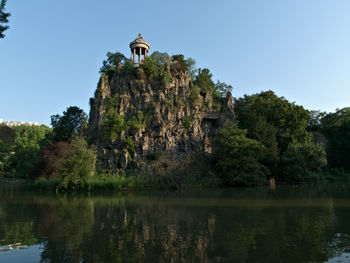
(221, 89)
(299, 161)
(336, 127)
(314, 122)
(3, 18)
(150, 67)
(160, 57)
(290, 120)
(238, 158)
(281, 127)
(78, 166)
(27, 147)
(113, 122)
(191, 67)
(112, 61)
(69, 124)
(204, 79)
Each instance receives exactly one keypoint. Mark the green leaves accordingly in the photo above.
(3, 18)
(78, 166)
(69, 124)
(112, 62)
(281, 127)
(238, 158)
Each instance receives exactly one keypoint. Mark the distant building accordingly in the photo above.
(18, 123)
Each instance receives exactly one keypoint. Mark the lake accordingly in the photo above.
(309, 223)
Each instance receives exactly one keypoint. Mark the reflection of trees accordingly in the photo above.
(141, 229)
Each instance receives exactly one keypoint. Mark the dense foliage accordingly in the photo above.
(69, 124)
(271, 138)
(17, 155)
(3, 18)
(78, 165)
(336, 127)
(238, 158)
(281, 127)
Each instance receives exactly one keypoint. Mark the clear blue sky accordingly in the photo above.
(51, 55)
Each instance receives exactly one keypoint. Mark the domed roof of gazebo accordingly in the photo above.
(139, 41)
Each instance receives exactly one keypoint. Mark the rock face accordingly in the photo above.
(152, 116)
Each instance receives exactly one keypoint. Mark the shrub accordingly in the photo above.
(129, 144)
(78, 166)
(187, 123)
(150, 67)
(51, 161)
(113, 122)
(166, 78)
(195, 94)
(136, 122)
(180, 62)
(128, 68)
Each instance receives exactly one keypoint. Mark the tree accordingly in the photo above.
(238, 158)
(191, 67)
(204, 80)
(69, 124)
(27, 146)
(281, 127)
(221, 89)
(78, 166)
(336, 127)
(3, 18)
(290, 120)
(314, 123)
(112, 62)
(52, 158)
(161, 57)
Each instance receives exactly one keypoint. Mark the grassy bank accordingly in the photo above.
(122, 182)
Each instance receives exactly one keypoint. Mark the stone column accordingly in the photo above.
(140, 50)
(133, 59)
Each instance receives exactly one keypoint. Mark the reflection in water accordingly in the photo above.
(304, 224)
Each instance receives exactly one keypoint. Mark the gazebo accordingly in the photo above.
(139, 47)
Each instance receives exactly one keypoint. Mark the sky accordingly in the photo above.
(51, 55)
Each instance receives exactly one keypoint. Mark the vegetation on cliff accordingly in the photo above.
(173, 126)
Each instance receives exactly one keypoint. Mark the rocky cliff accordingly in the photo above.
(135, 117)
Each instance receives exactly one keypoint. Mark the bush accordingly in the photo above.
(237, 158)
(195, 94)
(150, 67)
(166, 78)
(129, 144)
(52, 158)
(113, 122)
(78, 166)
(136, 122)
(128, 68)
(187, 123)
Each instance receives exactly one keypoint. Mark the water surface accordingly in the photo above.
(289, 224)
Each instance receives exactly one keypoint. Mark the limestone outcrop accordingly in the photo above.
(134, 117)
